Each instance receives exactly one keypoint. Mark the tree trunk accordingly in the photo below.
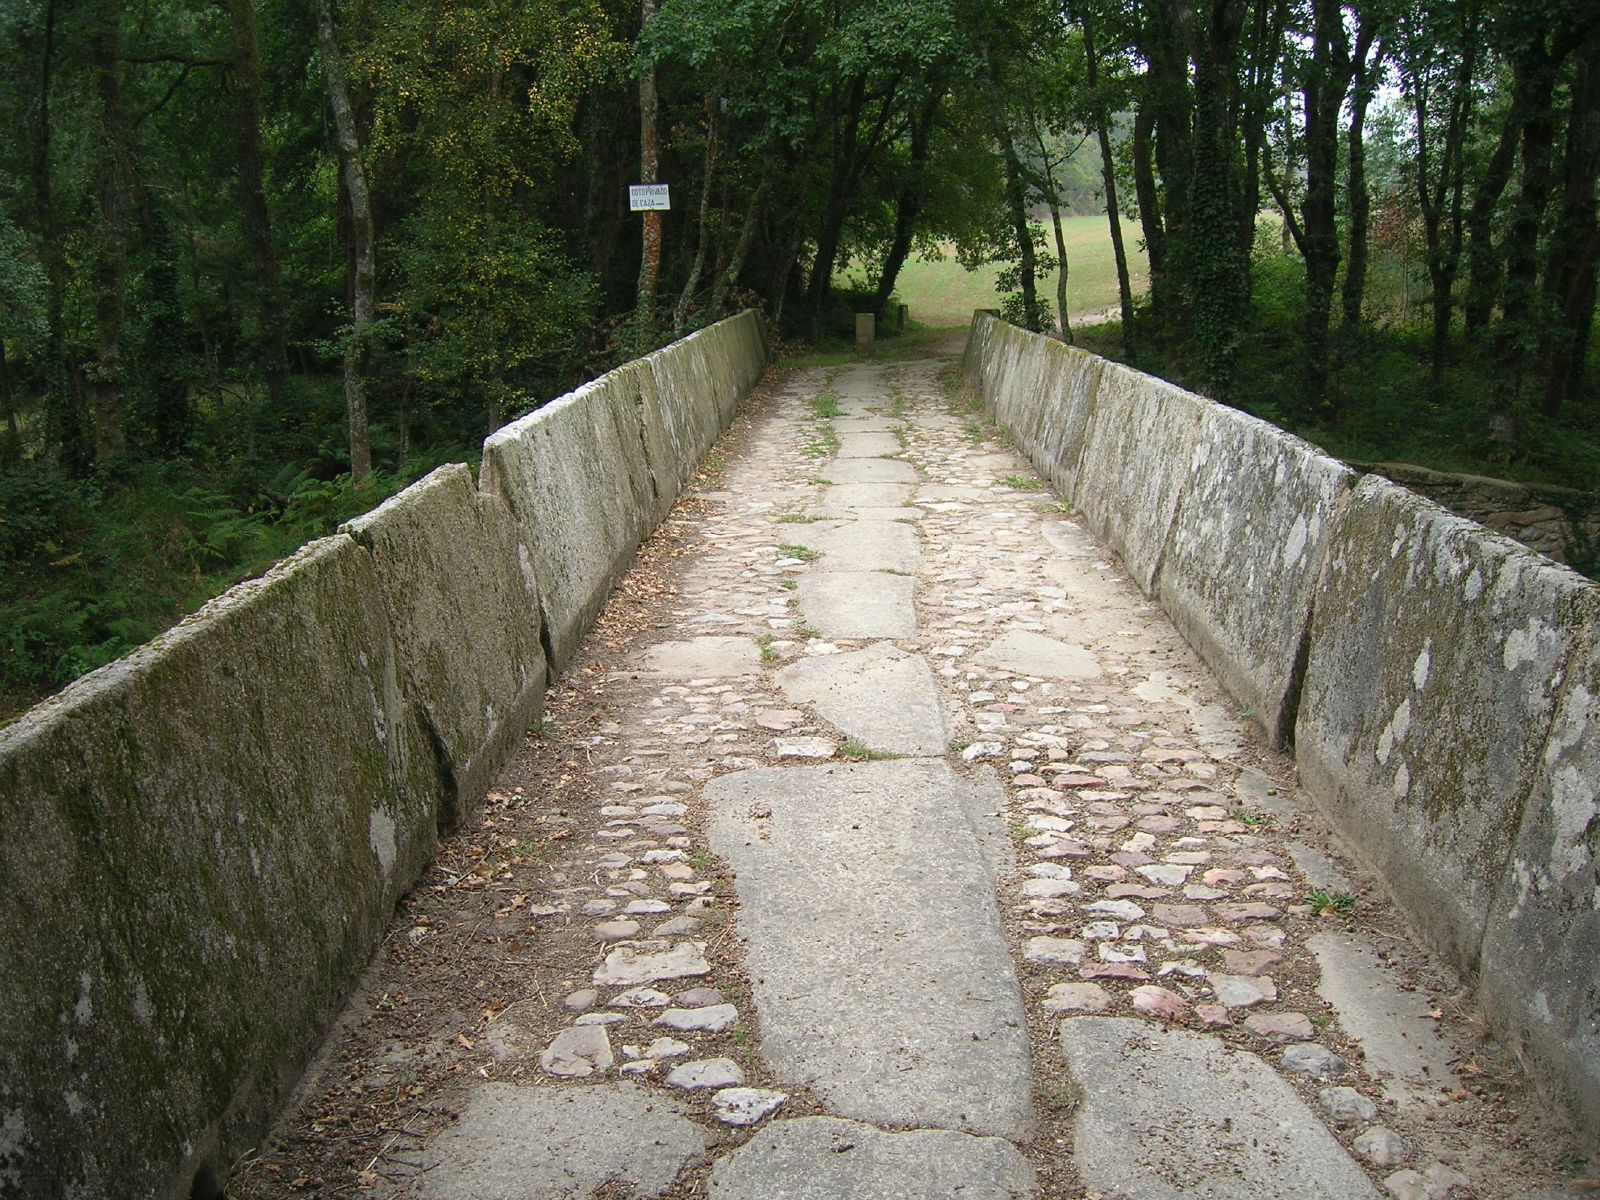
(1170, 137)
(64, 423)
(272, 348)
(1017, 205)
(1150, 220)
(1440, 192)
(729, 278)
(111, 254)
(1214, 268)
(1286, 218)
(362, 282)
(11, 444)
(846, 128)
(1516, 339)
(1355, 271)
(1108, 176)
(1327, 81)
(1061, 274)
(1262, 56)
(680, 314)
(1575, 243)
(1483, 260)
(649, 165)
(909, 204)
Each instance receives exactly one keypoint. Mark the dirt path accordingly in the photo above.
(884, 841)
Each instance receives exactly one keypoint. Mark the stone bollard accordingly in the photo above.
(903, 316)
(866, 342)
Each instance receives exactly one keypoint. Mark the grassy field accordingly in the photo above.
(942, 294)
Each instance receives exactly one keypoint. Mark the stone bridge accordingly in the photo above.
(1047, 783)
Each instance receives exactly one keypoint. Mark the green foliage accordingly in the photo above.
(497, 309)
(1581, 544)
(825, 404)
(90, 569)
(855, 750)
(22, 291)
(1386, 407)
(1327, 903)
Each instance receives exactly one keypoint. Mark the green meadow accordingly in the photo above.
(943, 293)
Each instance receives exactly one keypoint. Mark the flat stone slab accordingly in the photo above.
(869, 513)
(858, 604)
(741, 1106)
(861, 546)
(703, 658)
(865, 423)
(628, 966)
(865, 495)
(579, 1051)
(1401, 1041)
(944, 493)
(881, 695)
(871, 470)
(1173, 1115)
(880, 969)
(1004, 464)
(1034, 654)
(869, 444)
(523, 1143)
(823, 1158)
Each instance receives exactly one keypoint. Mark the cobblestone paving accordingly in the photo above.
(873, 574)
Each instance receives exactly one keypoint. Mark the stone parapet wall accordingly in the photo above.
(1533, 515)
(206, 838)
(1439, 682)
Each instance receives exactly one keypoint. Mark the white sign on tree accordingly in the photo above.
(643, 197)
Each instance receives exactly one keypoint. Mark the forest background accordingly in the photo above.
(264, 262)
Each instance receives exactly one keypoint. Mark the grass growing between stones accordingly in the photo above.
(1330, 904)
(1022, 483)
(799, 518)
(834, 351)
(824, 443)
(803, 553)
(825, 404)
(855, 750)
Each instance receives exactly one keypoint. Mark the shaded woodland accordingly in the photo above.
(263, 262)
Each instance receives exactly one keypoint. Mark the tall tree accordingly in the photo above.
(912, 193)
(1438, 47)
(361, 269)
(1546, 37)
(1363, 87)
(649, 167)
(1328, 74)
(114, 186)
(1570, 267)
(1100, 119)
(256, 219)
(1215, 265)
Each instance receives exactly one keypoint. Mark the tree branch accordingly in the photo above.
(1282, 198)
(182, 60)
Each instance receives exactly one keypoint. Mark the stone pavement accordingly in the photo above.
(920, 858)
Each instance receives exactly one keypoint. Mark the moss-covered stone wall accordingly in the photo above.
(1439, 682)
(205, 840)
